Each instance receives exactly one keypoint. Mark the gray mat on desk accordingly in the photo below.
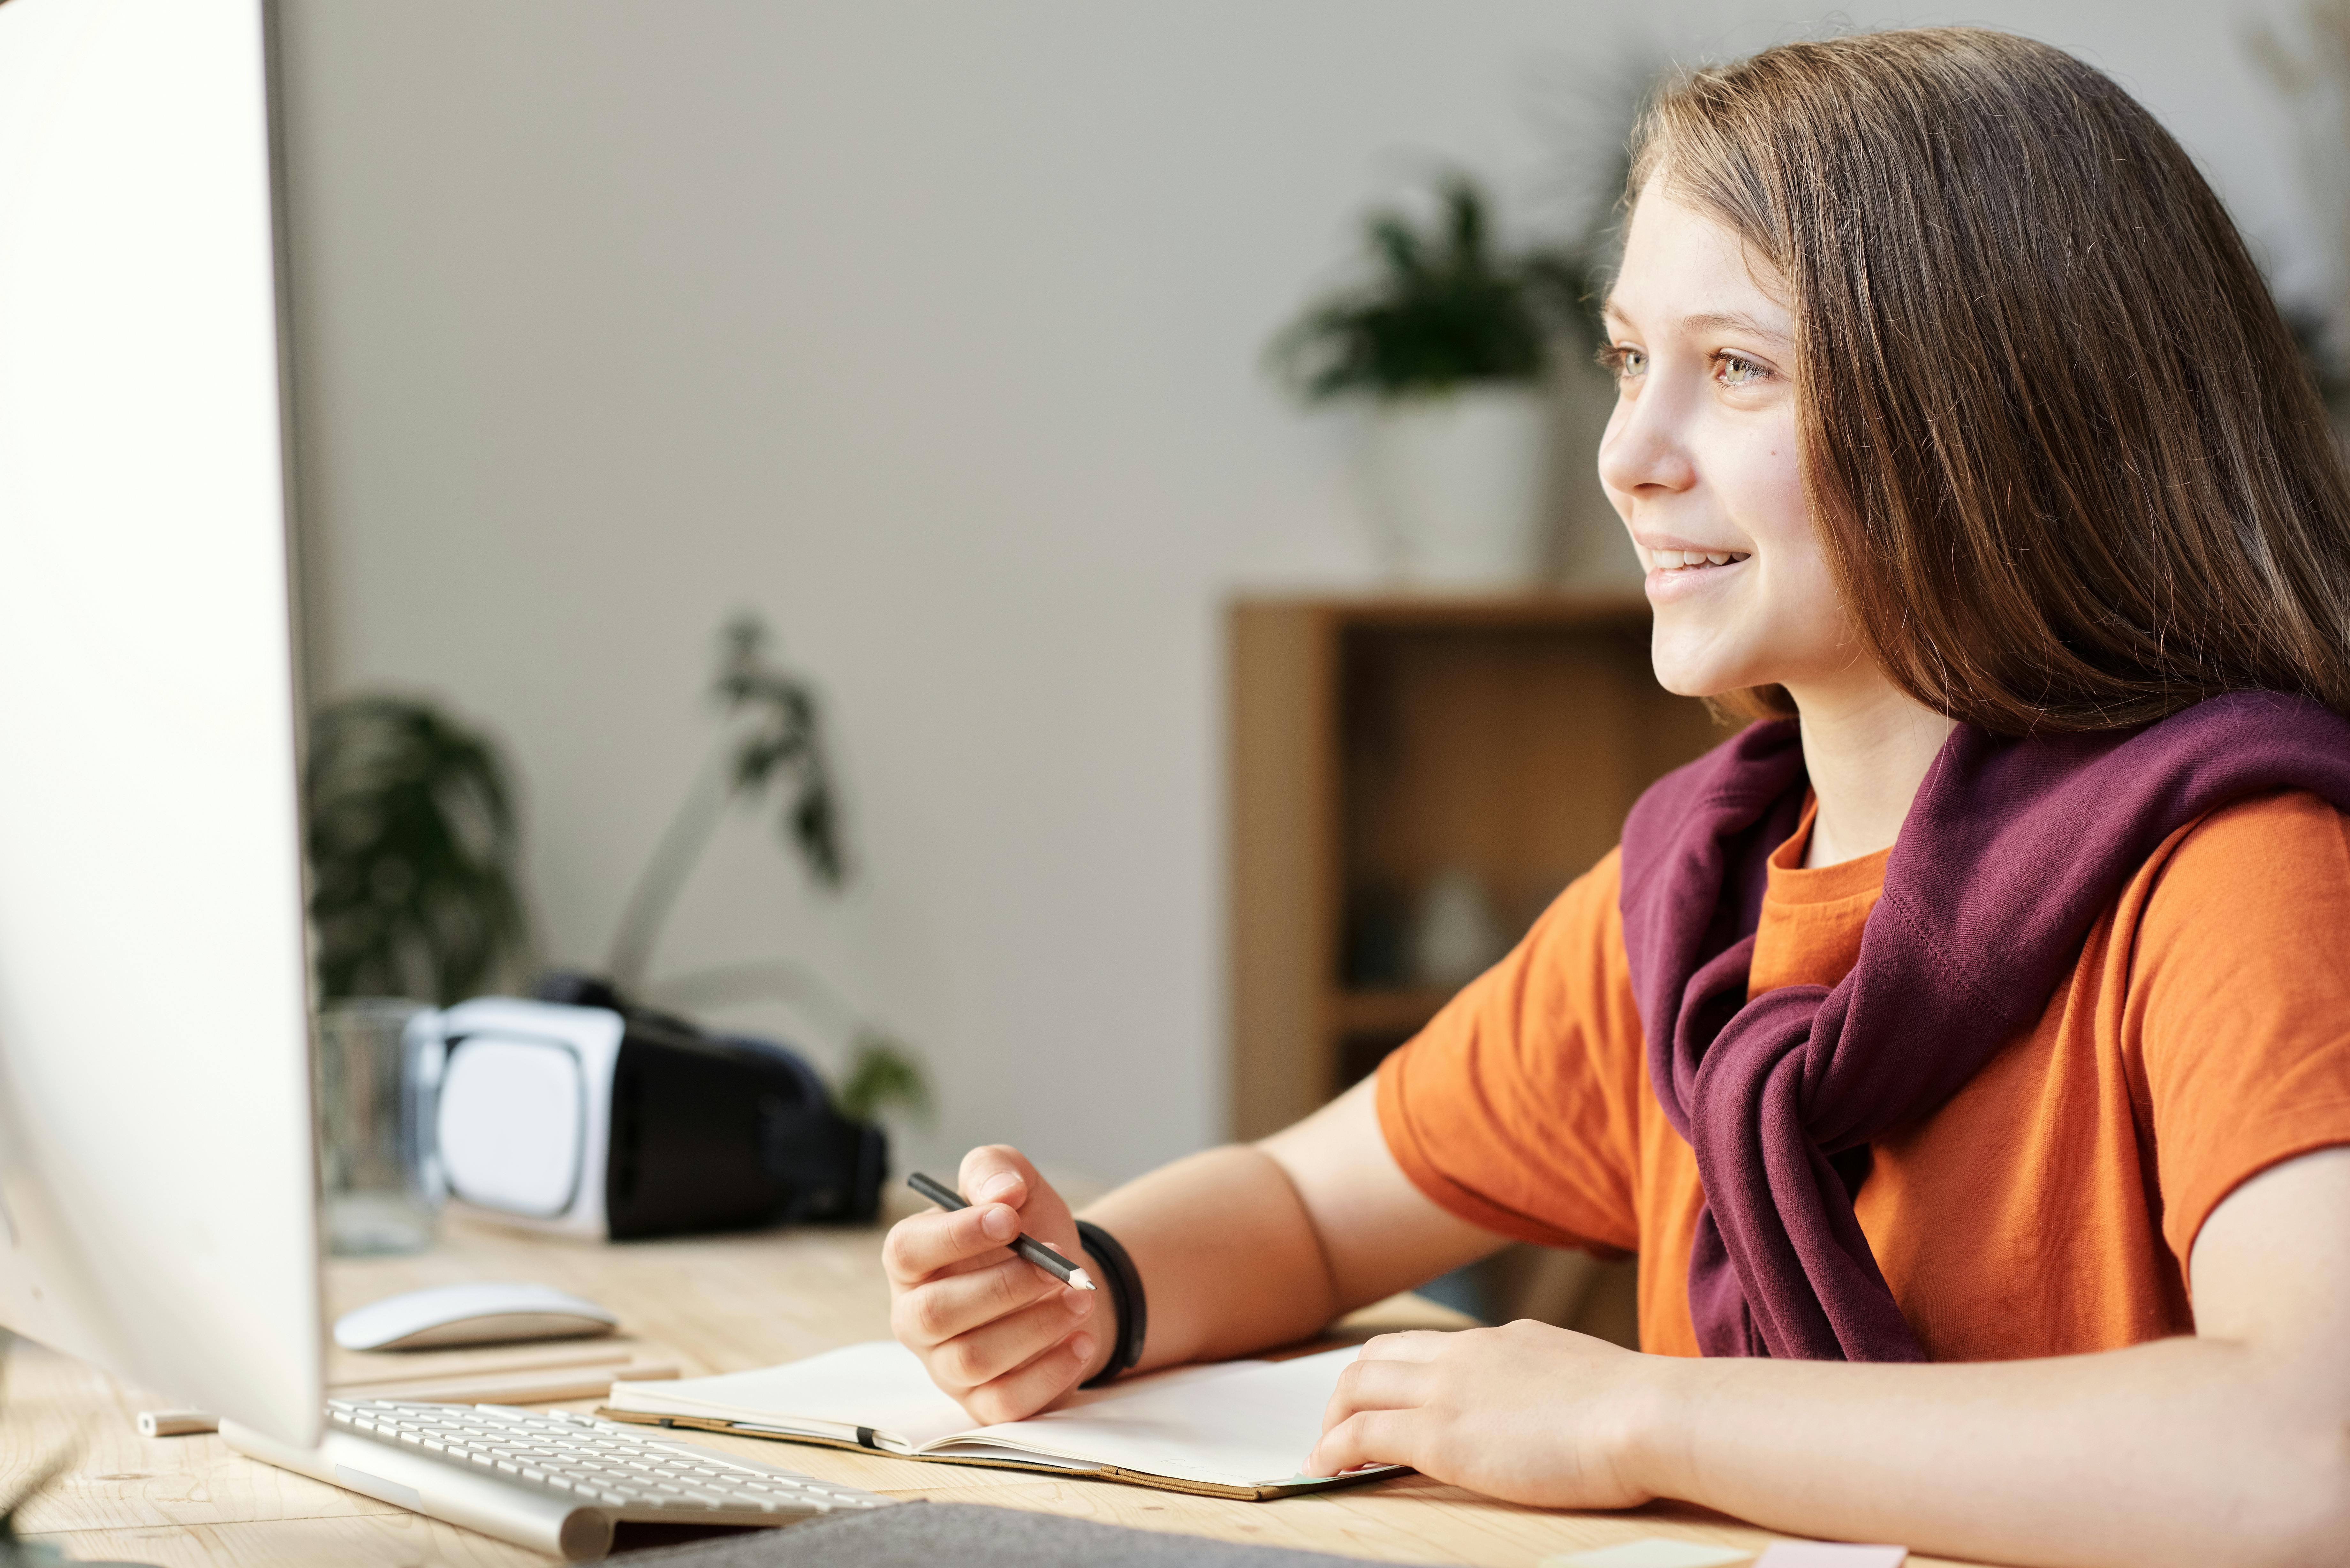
(970, 1535)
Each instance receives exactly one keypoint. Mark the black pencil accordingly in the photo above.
(1027, 1246)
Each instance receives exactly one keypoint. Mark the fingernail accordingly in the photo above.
(1083, 1344)
(999, 1222)
(997, 1185)
(1080, 1303)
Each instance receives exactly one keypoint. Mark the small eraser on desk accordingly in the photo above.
(1652, 1552)
(176, 1423)
(1830, 1555)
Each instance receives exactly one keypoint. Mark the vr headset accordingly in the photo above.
(618, 1124)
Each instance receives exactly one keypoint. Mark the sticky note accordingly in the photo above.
(1830, 1554)
(1654, 1551)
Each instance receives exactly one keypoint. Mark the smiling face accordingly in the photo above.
(1700, 460)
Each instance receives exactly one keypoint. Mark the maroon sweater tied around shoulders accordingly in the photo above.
(2011, 852)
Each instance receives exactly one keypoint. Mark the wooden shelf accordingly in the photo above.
(1402, 1011)
(1440, 606)
(1381, 741)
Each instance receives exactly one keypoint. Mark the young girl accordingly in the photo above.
(1965, 1047)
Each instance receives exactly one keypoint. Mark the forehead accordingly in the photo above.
(1680, 262)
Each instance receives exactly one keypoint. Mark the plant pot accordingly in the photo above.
(1454, 484)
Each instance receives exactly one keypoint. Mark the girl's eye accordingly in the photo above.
(1622, 362)
(1737, 371)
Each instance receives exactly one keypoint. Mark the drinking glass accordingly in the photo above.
(375, 1198)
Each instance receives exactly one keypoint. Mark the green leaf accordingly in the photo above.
(412, 844)
(783, 745)
(1439, 312)
(882, 1072)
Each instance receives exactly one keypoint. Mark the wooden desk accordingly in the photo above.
(725, 1305)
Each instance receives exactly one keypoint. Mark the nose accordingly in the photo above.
(1643, 448)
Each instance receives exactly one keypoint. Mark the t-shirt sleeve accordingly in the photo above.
(1516, 1108)
(2239, 1001)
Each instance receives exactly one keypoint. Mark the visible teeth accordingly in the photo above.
(1678, 560)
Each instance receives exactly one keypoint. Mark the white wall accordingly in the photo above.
(931, 331)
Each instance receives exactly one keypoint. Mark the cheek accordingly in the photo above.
(1776, 514)
(1806, 610)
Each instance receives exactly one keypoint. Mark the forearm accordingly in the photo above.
(2190, 1452)
(1248, 1247)
(1227, 1251)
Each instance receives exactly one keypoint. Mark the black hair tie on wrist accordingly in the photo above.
(1125, 1298)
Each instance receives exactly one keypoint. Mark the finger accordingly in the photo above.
(1371, 1438)
(1375, 1385)
(921, 1245)
(1027, 1389)
(1009, 1343)
(945, 1305)
(997, 1173)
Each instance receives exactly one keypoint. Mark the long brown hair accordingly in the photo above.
(2067, 462)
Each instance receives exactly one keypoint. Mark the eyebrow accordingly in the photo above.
(1732, 321)
(1712, 321)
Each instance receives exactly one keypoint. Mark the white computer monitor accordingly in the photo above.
(158, 1190)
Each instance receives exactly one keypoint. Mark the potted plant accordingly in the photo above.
(1446, 346)
(773, 745)
(412, 844)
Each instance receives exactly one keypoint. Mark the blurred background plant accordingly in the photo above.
(1445, 305)
(1442, 309)
(771, 748)
(1446, 346)
(775, 741)
(413, 846)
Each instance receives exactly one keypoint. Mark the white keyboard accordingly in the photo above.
(546, 1480)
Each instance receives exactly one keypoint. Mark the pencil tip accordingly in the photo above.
(1082, 1279)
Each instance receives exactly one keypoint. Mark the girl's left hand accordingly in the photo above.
(1527, 1413)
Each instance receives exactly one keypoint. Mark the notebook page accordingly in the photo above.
(880, 1384)
(1242, 1424)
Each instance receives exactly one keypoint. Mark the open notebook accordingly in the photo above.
(1238, 1429)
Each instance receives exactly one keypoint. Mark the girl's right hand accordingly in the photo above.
(997, 1332)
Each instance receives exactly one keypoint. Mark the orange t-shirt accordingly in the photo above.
(2049, 1206)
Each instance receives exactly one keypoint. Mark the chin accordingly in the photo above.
(1704, 675)
(1683, 686)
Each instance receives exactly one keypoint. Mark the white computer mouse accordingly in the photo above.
(470, 1314)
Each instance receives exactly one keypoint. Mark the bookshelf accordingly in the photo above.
(1378, 742)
